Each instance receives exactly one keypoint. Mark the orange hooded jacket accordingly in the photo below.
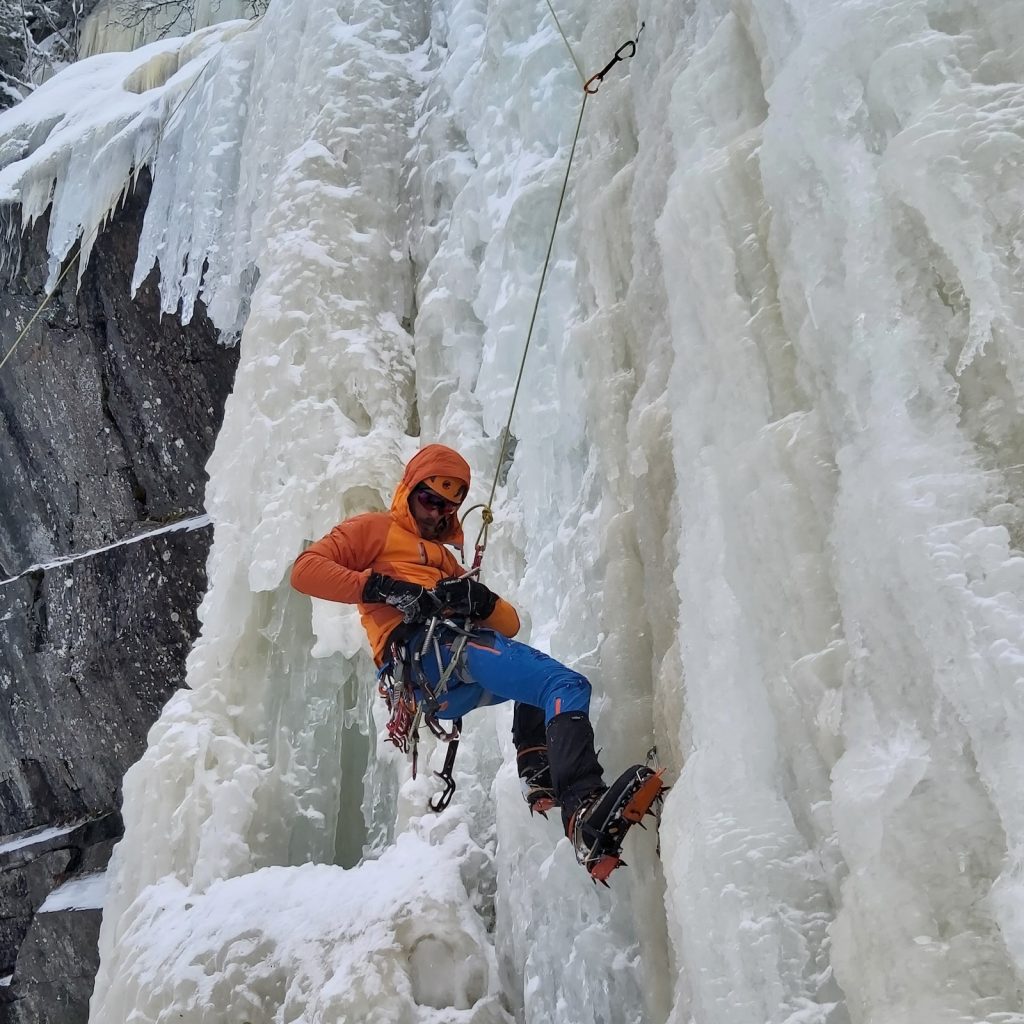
(337, 566)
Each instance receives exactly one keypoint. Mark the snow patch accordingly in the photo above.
(8, 844)
(89, 892)
(383, 942)
(192, 523)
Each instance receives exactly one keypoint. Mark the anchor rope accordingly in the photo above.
(590, 87)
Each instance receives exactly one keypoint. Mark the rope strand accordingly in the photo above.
(590, 87)
(42, 305)
(568, 45)
(506, 433)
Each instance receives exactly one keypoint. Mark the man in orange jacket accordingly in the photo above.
(395, 566)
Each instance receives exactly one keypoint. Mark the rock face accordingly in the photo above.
(58, 959)
(108, 414)
(58, 967)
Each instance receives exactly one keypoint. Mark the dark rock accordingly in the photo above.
(22, 892)
(108, 414)
(56, 970)
(56, 952)
(91, 652)
(109, 409)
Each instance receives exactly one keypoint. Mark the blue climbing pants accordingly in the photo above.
(494, 669)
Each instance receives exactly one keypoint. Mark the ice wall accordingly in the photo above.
(847, 440)
(767, 493)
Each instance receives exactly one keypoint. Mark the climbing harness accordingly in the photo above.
(402, 677)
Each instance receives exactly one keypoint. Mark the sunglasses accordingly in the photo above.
(434, 502)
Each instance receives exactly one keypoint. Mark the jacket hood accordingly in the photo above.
(434, 460)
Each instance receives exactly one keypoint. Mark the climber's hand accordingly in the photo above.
(466, 596)
(416, 603)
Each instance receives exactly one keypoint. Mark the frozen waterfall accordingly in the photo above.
(768, 494)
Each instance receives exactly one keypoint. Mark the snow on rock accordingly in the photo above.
(89, 892)
(8, 844)
(395, 939)
(74, 144)
(190, 523)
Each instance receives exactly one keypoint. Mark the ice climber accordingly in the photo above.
(396, 567)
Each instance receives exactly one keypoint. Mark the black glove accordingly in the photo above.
(466, 596)
(416, 603)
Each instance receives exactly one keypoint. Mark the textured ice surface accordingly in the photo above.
(397, 940)
(767, 494)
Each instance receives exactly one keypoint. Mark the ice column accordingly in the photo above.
(590, 428)
(302, 129)
(843, 841)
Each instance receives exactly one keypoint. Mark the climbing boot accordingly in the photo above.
(575, 770)
(535, 779)
(601, 821)
(531, 744)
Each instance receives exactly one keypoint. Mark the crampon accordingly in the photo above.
(535, 780)
(599, 827)
(540, 799)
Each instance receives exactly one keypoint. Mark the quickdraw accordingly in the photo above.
(624, 52)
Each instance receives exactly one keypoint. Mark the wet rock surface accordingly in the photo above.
(108, 413)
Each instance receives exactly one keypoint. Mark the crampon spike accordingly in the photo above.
(542, 806)
(603, 867)
(640, 802)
